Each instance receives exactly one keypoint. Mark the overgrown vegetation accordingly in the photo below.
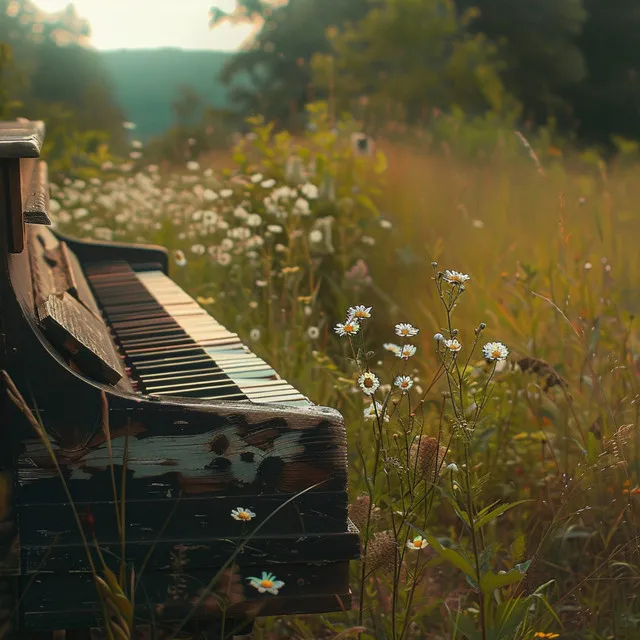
(497, 497)
(496, 494)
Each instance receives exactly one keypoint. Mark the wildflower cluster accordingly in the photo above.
(408, 456)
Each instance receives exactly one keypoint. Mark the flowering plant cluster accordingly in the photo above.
(415, 461)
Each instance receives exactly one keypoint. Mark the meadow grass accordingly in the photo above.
(519, 477)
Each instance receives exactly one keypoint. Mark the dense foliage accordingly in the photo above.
(573, 62)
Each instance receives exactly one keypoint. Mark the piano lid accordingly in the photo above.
(21, 138)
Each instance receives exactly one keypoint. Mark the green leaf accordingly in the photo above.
(491, 581)
(367, 203)
(592, 448)
(452, 556)
(381, 164)
(495, 513)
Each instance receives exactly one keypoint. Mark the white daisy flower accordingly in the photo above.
(254, 220)
(495, 351)
(266, 584)
(370, 412)
(406, 330)
(180, 258)
(301, 207)
(242, 514)
(198, 249)
(455, 277)
(452, 345)
(267, 184)
(224, 259)
(226, 193)
(404, 383)
(255, 334)
(417, 543)
(192, 165)
(209, 195)
(406, 351)
(309, 191)
(313, 333)
(369, 383)
(394, 348)
(274, 228)
(256, 177)
(315, 236)
(349, 328)
(359, 312)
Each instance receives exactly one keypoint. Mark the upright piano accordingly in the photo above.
(235, 483)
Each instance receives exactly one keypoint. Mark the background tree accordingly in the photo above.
(272, 75)
(538, 45)
(413, 56)
(55, 75)
(607, 101)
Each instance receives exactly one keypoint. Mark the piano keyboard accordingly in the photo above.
(173, 347)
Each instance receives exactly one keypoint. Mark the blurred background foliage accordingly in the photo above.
(561, 70)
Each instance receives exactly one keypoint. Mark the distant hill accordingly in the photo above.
(146, 82)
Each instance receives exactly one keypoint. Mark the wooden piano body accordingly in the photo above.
(118, 363)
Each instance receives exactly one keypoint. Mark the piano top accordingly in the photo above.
(20, 139)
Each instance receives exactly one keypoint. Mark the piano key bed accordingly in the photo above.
(174, 347)
(140, 390)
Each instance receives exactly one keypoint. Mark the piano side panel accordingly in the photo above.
(69, 601)
(226, 449)
(211, 552)
(188, 517)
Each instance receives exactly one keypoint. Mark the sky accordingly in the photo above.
(144, 24)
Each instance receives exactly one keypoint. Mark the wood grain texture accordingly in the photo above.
(81, 334)
(11, 201)
(174, 593)
(185, 516)
(36, 197)
(21, 139)
(174, 449)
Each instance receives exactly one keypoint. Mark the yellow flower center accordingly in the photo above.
(417, 543)
(368, 382)
(267, 584)
(243, 515)
(495, 353)
(361, 314)
(348, 328)
(404, 384)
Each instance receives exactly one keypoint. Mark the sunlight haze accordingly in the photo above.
(148, 24)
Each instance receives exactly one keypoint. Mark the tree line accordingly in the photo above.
(48, 72)
(571, 63)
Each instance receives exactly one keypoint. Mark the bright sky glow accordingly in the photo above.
(149, 24)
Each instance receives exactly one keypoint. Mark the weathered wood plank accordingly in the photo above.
(70, 599)
(171, 616)
(313, 512)
(212, 552)
(36, 196)
(169, 456)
